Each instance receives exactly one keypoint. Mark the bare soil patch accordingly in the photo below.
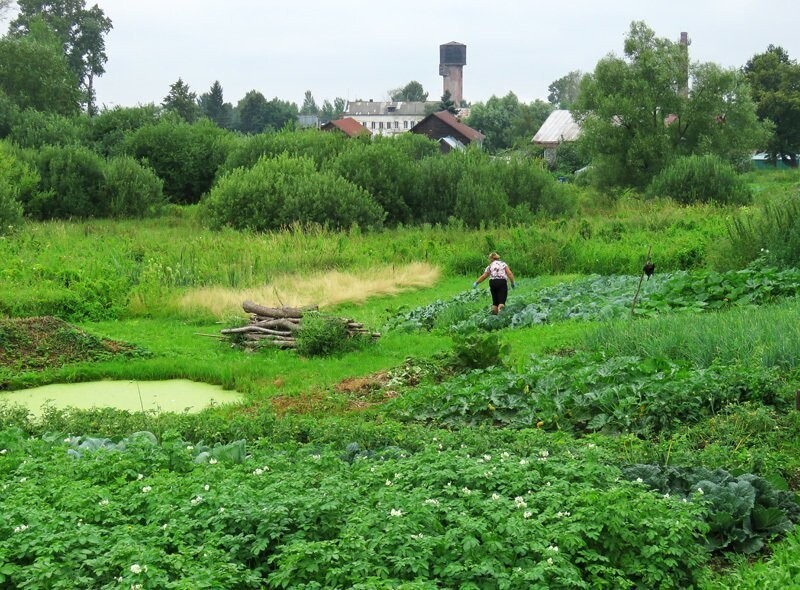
(34, 344)
(349, 395)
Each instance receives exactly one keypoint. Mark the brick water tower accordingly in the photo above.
(452, 59)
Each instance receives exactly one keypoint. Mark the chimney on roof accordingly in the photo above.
(452, 59)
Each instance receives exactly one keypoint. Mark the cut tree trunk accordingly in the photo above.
(275, 312)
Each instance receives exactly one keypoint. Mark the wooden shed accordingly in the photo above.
(448, 131)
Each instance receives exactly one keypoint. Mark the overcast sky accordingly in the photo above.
(361, 49)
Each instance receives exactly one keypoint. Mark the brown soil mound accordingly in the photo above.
(33, 344)
(350, 395)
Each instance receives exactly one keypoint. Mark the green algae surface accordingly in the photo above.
(175, 395)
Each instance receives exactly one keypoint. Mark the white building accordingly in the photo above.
(387, 118)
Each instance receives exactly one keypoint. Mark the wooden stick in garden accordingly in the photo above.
(641, 278)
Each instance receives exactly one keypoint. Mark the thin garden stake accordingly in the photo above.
(641, 278)
(141, 403)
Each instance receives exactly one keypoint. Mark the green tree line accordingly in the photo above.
(650, 121)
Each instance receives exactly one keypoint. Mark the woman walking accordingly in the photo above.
(498, 273)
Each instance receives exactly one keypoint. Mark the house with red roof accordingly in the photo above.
(348, 126)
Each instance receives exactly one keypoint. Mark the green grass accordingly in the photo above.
(760, 337)
(154, 261)
(184, 350)
(101, 269)
(779, 571)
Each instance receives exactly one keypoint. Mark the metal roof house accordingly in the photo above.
(558, 128)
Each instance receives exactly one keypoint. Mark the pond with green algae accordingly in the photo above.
(174, 395)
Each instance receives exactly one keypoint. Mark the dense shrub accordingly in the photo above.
(34, 129)
(131, 189)
(184, 156)
(280, 191)
(18, 183)
(435, 191)
(8, 114)
(416, 146)
(524, 180)
(700, 179)
(479, 201)
(10, 207)
(108, 130)
(314, 144)
(531, 187)
(384, 168)
(71, 184)
(479, 190)
(569, 159)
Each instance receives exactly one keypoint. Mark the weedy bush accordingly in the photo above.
(700, 179)
(770, 233)
(323, 335)
(132, 190)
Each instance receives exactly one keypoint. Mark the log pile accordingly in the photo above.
(278, 326)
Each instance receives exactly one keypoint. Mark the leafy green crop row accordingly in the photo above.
(302, 517)
(588, 393)
(611, 297)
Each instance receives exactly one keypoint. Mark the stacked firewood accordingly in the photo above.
(278, 326)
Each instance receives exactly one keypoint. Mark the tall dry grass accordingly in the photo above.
(324, 289)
